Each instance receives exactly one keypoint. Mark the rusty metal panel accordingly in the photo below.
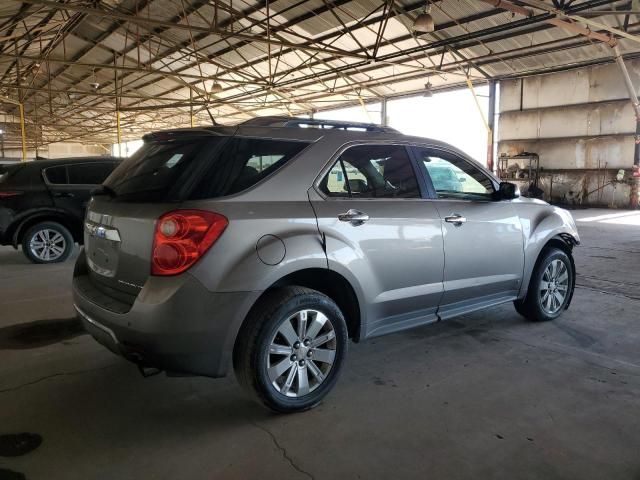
(577, 153)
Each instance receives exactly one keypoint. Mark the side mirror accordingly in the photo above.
(508, 191)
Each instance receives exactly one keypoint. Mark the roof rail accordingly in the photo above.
(296, 122)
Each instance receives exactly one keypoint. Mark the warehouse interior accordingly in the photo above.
(546, 97)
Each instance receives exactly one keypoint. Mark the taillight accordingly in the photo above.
(182, 237)
(9, 194)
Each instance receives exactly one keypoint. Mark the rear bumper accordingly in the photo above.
(6, 218)
(175, 324)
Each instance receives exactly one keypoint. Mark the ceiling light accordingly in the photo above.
(428, 93)
(424, 22)
(216, 88)
(95, 85)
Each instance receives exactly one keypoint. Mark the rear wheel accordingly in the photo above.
(550, 287)
(47, 242)
(290, 352)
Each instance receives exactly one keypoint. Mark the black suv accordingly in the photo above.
(42, 204)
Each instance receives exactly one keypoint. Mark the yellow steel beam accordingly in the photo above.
(24, 135)
(475, 97)
(118, 133)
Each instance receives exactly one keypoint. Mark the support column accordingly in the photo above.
(115, 87)
(118, 133)
(384, 120)
(633, 96)
(491, 125)
(191, 107)
(23, 133)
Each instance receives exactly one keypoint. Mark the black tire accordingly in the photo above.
(531, 307)
(252, 357)
(58, 251)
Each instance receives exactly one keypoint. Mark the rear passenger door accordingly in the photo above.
(483, 240)
(381, 234)
(71, 185)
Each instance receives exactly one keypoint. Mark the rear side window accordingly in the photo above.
(199, 167)
(372, 171)
(242, 163)
(56, 175)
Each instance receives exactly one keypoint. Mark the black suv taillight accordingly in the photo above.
(10, 193)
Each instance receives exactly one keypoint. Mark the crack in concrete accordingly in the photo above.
(609, 248)
(283, 450)
(568, 351)
(53, 375)
(600, 279)
(607, 292)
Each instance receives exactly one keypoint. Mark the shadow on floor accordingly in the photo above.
(39, 333)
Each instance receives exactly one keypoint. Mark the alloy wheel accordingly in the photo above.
(47, 245)
(301, 353)
(554, 287)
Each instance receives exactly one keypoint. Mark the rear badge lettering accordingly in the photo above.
(129, 284)
(99, 231)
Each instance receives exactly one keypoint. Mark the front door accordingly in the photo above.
(483, 242)
(382, 235)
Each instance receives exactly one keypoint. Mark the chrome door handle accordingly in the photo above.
(355, 217)
(456, 219)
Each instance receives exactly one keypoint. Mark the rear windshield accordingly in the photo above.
(20, 175)
(4, 173)
(198, 167)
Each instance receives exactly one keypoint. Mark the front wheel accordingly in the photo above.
(290, 352)
(550, 288)
(47, 242)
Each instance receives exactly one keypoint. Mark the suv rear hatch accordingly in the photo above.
(170, 167)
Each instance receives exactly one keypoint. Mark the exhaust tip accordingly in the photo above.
(148, 371)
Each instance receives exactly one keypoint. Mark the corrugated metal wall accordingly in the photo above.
(582, 126)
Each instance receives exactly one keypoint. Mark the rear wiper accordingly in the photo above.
(104, 190)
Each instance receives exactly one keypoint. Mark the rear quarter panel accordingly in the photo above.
(237, 262)
(34, 201)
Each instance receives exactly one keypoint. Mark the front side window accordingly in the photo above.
(372, 171)
(454, 177)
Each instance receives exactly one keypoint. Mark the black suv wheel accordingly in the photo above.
(47, 242)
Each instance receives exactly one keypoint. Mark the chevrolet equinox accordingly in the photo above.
(267, 246)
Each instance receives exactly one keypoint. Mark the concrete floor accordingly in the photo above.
(485, 396)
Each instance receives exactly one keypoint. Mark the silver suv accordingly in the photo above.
(267, 246)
